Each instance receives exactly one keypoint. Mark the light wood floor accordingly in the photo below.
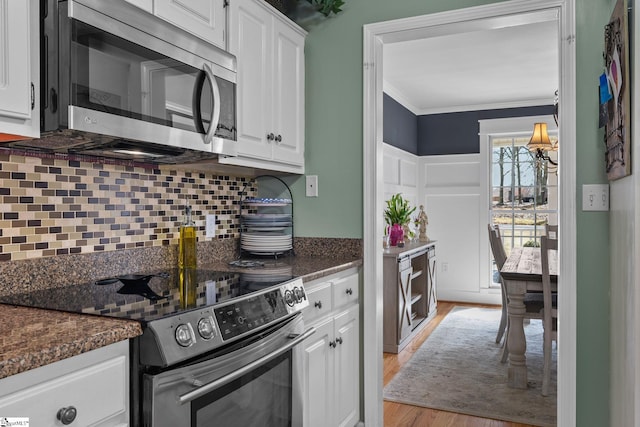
(399, 415)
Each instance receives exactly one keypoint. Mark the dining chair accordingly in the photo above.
(551, 231)
(499, 256)
(533, 301)
(549, 311)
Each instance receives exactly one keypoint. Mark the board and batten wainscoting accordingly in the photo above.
(449, 188)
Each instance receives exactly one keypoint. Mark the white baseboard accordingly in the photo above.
(470, 297)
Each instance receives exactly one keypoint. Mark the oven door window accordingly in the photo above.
(262, 398)
(112, 75)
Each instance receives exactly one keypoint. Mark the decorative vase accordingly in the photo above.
(396, 234)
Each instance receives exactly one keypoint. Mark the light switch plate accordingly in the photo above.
(312, 185)
(595, 197)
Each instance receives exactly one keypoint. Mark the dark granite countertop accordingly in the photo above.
(31, 337)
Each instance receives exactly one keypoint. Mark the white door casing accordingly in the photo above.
(492, 15)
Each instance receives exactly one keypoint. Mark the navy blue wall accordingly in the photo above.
(457, 133)
(448, 133)
(400, 127)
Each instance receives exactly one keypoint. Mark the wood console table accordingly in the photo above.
(409, 292)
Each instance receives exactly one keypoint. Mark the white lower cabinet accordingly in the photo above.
(89, 390)
(331, 371)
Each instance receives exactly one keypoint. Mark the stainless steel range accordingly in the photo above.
(232, 359)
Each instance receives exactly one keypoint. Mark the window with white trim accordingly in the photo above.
(523, 193)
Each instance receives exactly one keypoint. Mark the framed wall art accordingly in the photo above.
(616, 109)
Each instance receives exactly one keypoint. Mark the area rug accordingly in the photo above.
(458, 369)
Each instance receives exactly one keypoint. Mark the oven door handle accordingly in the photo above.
(203, 390)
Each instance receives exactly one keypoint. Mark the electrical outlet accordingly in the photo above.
(445, 267)
(210, 226)
(312, 185)
(595, 197)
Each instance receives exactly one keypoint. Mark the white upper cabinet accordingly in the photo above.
(203, 18)
(19, 74)
(270, 101)
(142, 4)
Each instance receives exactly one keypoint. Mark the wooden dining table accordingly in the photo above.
(522, 272)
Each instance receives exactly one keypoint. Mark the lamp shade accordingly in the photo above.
(540, 138)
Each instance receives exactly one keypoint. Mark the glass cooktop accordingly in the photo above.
(146, 296)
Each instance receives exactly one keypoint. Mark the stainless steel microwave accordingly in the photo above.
(118, 82)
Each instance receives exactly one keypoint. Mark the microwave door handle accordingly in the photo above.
(197, 98)
(203, 390)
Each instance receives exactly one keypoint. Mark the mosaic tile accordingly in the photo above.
(54, 207)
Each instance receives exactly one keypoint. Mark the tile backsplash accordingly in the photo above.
(52, 206)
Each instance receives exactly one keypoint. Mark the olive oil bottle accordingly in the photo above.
(187, 261)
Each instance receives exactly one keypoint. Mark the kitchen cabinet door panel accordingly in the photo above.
(270, 53)
(250, 42)
(19, 74)
(289, 96)
(203, 18)
(95, 384)
(318, 377)
(347, 367)
(146, 5)
(331, 388)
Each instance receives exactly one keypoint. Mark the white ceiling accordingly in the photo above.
(506, 67)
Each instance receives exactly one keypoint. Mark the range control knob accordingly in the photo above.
(299, 294)
(206, 328)
(289, 298)
(183, 335)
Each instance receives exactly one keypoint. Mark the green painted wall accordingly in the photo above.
(334, 153)
(592, 227)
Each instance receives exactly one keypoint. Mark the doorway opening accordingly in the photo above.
(494, 15)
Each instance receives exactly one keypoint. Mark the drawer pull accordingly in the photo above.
(67, 415)
(339, 340)
(349, 291)
(318, 304)
(332, 344)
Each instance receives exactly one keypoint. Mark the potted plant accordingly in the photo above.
(397, 215)
(327, 7)
(308, 12)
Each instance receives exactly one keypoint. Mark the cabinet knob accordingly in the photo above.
(278, 138)
(67, 415)
(270, 136)
(339, 340)
(349, 291)
(318, 304)
(332, 344)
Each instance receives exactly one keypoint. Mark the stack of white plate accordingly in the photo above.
(266, 221)
(266, 242)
